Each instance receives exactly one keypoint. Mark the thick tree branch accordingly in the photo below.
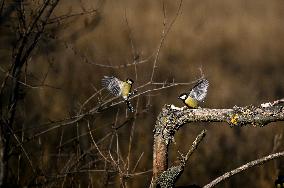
(169, 177)
(172, 118)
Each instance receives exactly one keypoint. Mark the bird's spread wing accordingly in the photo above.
(113, 84)
(199, 91)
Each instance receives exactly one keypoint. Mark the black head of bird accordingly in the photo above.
(183, 96)
(197, 94)
(129, 81)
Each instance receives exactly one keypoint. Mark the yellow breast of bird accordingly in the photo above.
(193, 103)
(125, 90)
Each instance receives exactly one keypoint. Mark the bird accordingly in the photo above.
(119, 88)
(196, 95)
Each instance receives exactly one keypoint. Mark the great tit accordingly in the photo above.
(119, 88)
(196, 95)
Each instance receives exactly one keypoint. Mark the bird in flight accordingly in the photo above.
(196, 95)
(119, 88)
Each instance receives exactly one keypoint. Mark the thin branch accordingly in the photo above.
(95, 144)
(135, 55)
(194, 146)
(105, 104)
(137, 163)
(68, 16)
(89, 99)
(123, 65)
(243, 168)
(270, 104)
(163, 37)
(62, 175)
(23, 149)
(169, 177)
(85, 59)
(8, 75)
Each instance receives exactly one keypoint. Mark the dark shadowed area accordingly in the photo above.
(237, 45)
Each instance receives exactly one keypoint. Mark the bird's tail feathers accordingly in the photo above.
(129, 106)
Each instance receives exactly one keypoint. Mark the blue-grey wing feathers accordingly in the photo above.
(199, 91)
(112, 84)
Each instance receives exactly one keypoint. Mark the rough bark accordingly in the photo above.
(172, 118)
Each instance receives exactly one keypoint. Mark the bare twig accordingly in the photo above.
(270, 104)
(85, 59)
(8, 75)
(243, 168)
(95, 144)
(68, 16)
(165, 32)
(106, 105)
(169, 177)
(136, 165)
(194, 146)
(23, 149)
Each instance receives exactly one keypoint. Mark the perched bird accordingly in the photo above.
(197, 94)
(119, 88)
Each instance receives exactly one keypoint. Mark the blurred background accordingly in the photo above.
(238, 45)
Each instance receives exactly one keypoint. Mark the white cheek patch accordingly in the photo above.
(183, 97)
